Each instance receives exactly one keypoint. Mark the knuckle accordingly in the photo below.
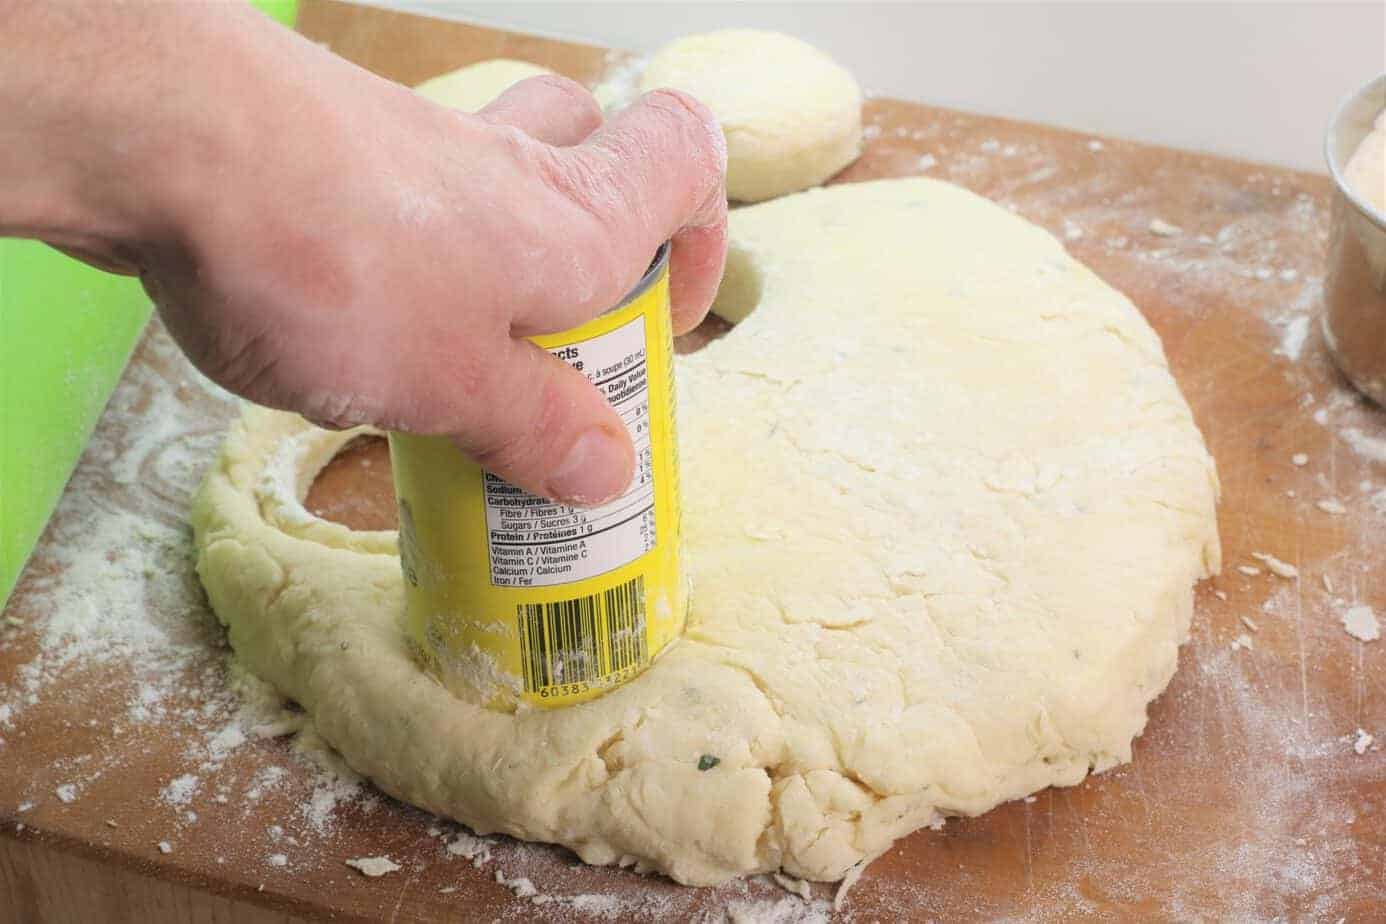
(573, 94)
(681, 105)
(584, 180)
(499, 454)
(700, 129)
(516, 145)
(334, 410)
(597, 217)
(686, 115)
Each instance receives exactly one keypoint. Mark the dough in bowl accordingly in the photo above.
(944, 510)
(472, 87)
(1366, 170)
(791, 116)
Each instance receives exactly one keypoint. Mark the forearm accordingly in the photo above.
(104, 118)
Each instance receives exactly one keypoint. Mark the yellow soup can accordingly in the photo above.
(516, 599)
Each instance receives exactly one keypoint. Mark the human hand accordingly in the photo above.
(321, 240)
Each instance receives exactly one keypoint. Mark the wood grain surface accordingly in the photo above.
(1245, 801)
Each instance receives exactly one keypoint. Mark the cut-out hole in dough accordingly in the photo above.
(356, 488)
(741, 287)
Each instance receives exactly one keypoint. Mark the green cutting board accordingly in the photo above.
(66, 332)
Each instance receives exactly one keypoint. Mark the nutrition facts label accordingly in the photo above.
(535, 542)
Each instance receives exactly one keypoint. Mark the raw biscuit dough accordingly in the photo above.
(1366, 170)
(791, 116)
(470, 88)
(945, 507)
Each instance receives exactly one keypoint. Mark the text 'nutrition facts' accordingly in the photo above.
(535, 542)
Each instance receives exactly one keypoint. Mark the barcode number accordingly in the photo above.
(570, 645)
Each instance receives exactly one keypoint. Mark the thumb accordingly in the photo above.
(542, 426)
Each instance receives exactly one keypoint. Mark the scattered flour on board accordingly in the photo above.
(1294, 319)
(1294, 333)
(129, 602)
(181, 790)
(520, 885)
(784, 911)
(114, 611)
(1331, 506)
(124, 602)
(1276, 566)
(1162, 228)
(793, 886)
(373, 866)
(1361, 623)
(1371, 448)
(336, 783)
(470, 847)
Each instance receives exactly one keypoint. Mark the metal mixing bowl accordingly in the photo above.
(1354, 320)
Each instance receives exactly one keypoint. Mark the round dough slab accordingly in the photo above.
(472, 87)
(791, 116)
(944, 510)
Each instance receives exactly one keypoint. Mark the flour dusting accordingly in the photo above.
(1360, 622)
(619, 85)
(114, 605)
(1372, 448)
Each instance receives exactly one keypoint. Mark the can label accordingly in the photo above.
(536, 542)
(513, 598)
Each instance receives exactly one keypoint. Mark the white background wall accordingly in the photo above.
(1252, 80)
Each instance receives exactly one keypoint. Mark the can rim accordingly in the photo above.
(658, 265)
(1333, 155)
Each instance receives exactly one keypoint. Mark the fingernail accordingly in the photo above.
(595, 470)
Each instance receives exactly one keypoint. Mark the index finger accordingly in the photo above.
(656, 172)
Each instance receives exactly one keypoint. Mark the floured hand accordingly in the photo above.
(321, 240)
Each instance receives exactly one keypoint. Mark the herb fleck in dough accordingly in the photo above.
(986, 505)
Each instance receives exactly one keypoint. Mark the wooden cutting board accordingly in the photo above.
(1246, 798)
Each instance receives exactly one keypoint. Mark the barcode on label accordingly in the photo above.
(569, 645)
